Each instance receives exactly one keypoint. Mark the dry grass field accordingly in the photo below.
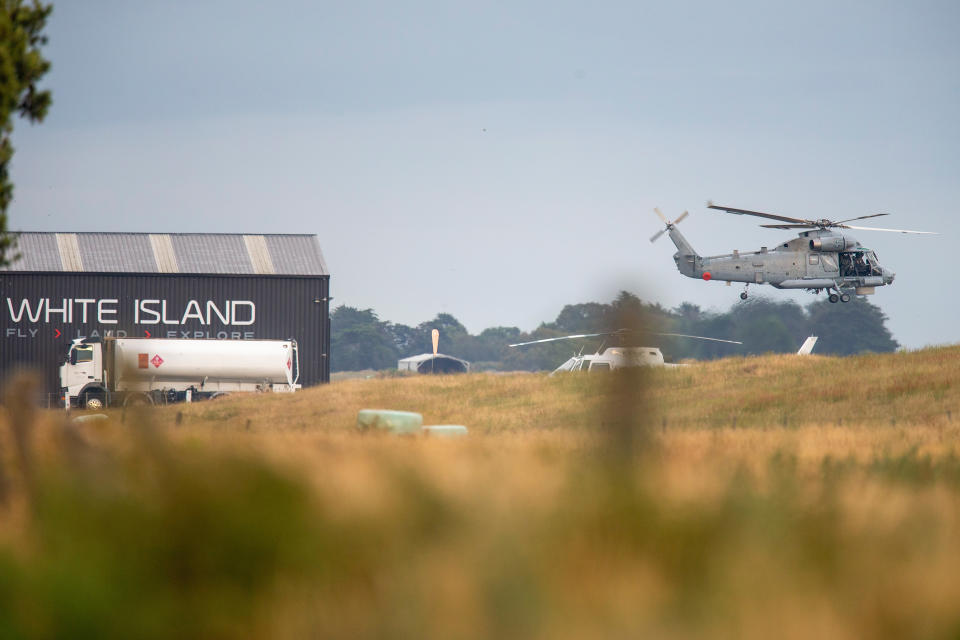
(746, 498)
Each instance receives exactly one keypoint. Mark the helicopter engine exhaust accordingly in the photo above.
(832, 243)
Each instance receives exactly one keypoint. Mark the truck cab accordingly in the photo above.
(81, 375)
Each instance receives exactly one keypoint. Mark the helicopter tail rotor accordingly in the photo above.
(668, 223)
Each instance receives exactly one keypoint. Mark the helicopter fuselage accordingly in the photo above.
(616, 358)
(816, 260)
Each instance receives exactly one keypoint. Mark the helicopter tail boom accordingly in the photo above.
(686, 257)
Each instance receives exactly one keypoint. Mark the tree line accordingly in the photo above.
(22, 65)
(361, 340)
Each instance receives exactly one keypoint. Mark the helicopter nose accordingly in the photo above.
(888, 276)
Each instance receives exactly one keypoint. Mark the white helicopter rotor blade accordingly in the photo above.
(681, 217)
(850, 226)
(657, 235)
(761, 214)
(683, 335)
(579, 335)
(662, 217)
(872, 215)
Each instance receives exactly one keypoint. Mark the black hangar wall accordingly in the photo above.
(244, 293)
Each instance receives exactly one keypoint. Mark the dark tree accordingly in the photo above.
(854, 327)
(448, 326)
(547, 356)
(362, 341)
(359, 340)
(581, 318)
(768, 326)
(408, 341)
(21, 67)
(490, 347)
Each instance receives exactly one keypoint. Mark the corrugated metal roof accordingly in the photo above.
(43, 251)
(259, 254)
(212, 254)
(115, 252)
(296, 254)
(197, 253)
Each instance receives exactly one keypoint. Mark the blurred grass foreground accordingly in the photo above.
(746, 498)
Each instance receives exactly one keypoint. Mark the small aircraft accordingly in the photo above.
(818, 260)
(617, 357)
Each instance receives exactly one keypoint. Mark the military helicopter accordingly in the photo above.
(818, 260)
(619, 355)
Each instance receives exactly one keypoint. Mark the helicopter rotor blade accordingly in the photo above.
(874, 215)
(844, 226)
(657, 235)
(789, 226)
(681, 217)
(573, 337)
(661, 216)
(622, 333)
(683, 335)
(760, 214)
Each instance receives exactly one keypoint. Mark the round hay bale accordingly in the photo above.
(389, 420)
(90, 417)
(445, 430)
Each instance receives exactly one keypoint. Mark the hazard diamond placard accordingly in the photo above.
(156, 360)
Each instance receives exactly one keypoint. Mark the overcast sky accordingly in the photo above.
(497, 160)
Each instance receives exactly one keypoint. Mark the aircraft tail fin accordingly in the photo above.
(807, 347)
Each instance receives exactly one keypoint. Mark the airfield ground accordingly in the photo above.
(779, 496)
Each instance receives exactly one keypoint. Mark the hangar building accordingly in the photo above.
(169, 285)
(429, 363)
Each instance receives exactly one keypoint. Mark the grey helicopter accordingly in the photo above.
(820, 259)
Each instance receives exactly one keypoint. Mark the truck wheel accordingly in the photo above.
(93, 401)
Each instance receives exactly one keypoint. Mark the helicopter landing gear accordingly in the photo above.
(833, 298)
(743, 296)
(844, 297)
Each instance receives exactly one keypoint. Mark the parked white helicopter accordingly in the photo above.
(608, 358)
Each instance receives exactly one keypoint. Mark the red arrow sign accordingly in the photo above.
(147, 332)
(56, 333)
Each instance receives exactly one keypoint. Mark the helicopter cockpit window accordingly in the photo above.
(600, 366)
(873, 264)
(829, 262)
(859, 263)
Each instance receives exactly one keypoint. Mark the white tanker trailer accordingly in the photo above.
(117, 371)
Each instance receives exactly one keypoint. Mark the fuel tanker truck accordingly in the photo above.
(112, 371)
